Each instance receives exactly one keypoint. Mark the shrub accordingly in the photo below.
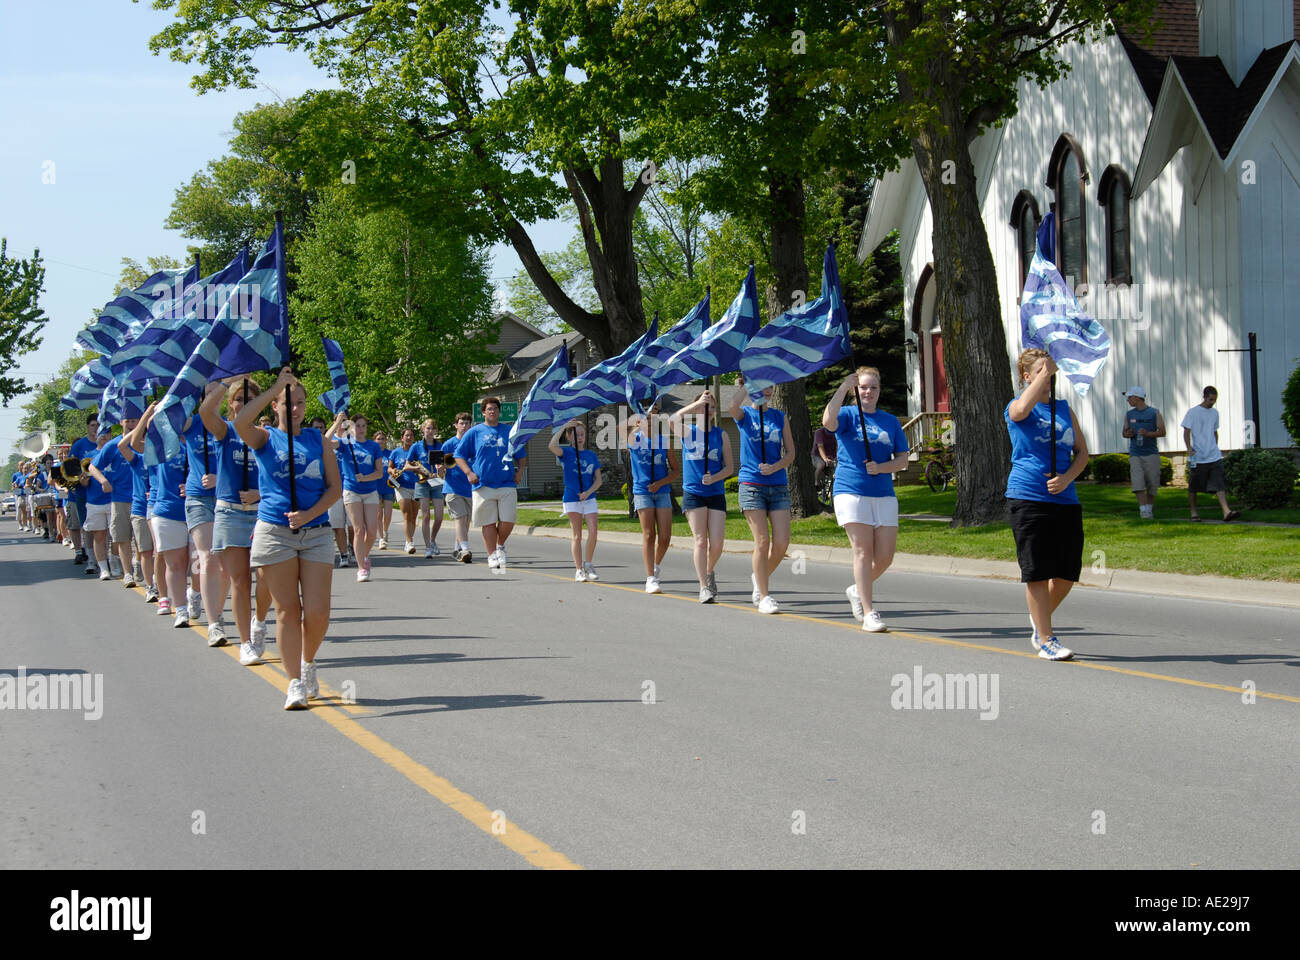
(1291, 406)
(1166, 471)
(623, 491)
(1260, 478)
(731, 485)
(1110, 467)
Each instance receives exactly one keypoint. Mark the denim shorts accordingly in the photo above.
(661, 498)
(427, 491)
(386, 493)
(200, 510)
(233, 528)
(764, 496)
(692, 501)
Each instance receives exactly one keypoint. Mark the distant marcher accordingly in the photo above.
(1204, 458)
(1143, 424)
(481, 456)
(823, 455)
(582, 478)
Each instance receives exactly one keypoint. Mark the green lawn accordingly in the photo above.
(1111, 524)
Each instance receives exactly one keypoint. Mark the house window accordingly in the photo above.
(1067, 177)
(1113, 194)
(1025, 220)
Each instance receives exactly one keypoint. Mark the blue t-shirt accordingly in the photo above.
(1144, 419)
(165, 484)
(887, 441)
(430, 456)
(95, 495)
(82, 448)
(233, 456)
(54, 487)
(399, 457)
(455, 482)
(1030, 439)
(139, 486)
(356, 459)
(194, 440)
(590, 464)
(110, 463)
(273, 475)
(649, 456)
(484, 448)
(693, 469)
(773, 422)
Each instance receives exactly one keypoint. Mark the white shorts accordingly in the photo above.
(873, 511)
(371, 498)
(169, 534)
(580, 506)
(97, 516)
(494, 505)
(338, 516)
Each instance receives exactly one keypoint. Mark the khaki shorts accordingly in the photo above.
(405, 493)
(1144, 472)
(119, 523)
(458, 505)
(274, 544)
(363, 498)
(494, 505)
(338, 519)
(72, 513)
(143, 535)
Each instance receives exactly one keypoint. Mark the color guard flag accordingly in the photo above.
(125, 315)
(87, 385)
(337, 398)
(537, 411)
(718, 348)
(604, 383)
(640, 385)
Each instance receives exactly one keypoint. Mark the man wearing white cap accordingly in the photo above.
(1142, 425)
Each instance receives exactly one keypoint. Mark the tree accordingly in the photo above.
(41, 410)
(410, 305)
(134, 273)
(954, 66)
(21, 318)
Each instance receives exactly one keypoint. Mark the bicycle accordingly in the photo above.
(939, 472)
(826, 489)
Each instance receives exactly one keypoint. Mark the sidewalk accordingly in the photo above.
(1223, 589)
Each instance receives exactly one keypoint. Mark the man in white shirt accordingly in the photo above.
(1204, 458)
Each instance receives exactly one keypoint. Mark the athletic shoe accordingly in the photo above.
(855, 601)
(297, 698)
(590, 571)
(437, 550)
(128, 581)
(656, 571)
(150, 594)
(164, 606)
(363, 575)
(768, 605)
(257, 635)
(114, 566)
(712, 581)
(347, 560)
(1052, 650)
(382, 543)
(310, 685)
(216, 634)
(502, 557)
(80, 557)
(755, 596)
(466, 557)
(873, 624)
(91, 567)
(493, 562)
(195, 604)
(706, 595)
(428, 553)
(136, 573)
(580, 576)
(652, 585)
(248, 654)
(338, 561)
(105, 573)
(410, 548)
(1033, 638)
(182, 618)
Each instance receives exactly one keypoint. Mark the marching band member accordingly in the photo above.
(360, 463)
(457, 492)
(166, 521)
(405, 480)
(494, 482)
(387, 493)
(200, 514)
(426, 460)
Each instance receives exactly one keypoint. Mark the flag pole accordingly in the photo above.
(288, 391)
(862, 422)
(1051, 446)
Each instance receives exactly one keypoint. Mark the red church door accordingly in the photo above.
(940, 380)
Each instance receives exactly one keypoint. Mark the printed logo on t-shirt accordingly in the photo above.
(1043, 433)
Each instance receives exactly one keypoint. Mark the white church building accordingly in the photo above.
(1173, 166)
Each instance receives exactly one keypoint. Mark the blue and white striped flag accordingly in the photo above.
(340, 395)
(87, 385)
(123, 401)
(237, 343)
(125, 316)
(718, 348)
(802, 340)
(538, 405)
(604, 383)
(1050, 318)
(640, 385)
(164, 346)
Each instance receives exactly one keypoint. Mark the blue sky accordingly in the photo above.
(83, 102)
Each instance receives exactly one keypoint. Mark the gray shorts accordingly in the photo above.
(273, 544)
(119, 523)
(371, 498)
(458, 506)
(143, 535)
(1144, 472)
(72, 512)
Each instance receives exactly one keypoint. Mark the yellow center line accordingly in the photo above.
(508, 833)
(929, 638)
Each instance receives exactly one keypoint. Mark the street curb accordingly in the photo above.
(1204, 587)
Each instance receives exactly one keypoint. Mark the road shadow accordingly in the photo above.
(331, 663)
(435, 704)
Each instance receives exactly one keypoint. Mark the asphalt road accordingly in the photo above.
(521, 719)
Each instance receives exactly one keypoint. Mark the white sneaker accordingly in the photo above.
(195, 604)
(216, 634)
(768, 605)
(247, 655)
(164, 607)
(428, 553)
(1033, 635)
(501, 557)
(104, 574)
(652, 585)
(128, 581)
(297, 699)
(363, 575)
(590, 571)
(410, 547)
(656, 571)
(492, 561)
(712, 581)
(151, 594)
(115, 566)
(182, 618)
(580, 576)
(437, 550)
(873, 624)
(1052, 650)
(755, 596)
(706, 595)
(310, 685)
(852, 593)
(382, 543)
(258, 634)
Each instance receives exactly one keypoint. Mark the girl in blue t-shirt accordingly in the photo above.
(706, 462)
(581, 469)
(871, 449)
(654, 471)
(386, 492)
(292, 542)
(405, 480)
(764, 491)
(1046, 520)
(361, 467)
